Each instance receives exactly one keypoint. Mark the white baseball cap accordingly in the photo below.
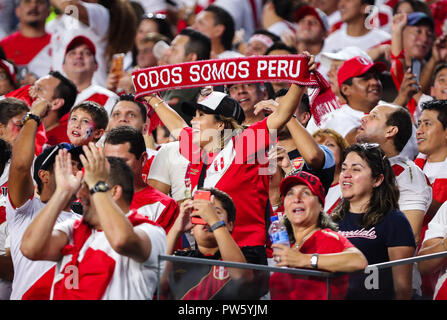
(343, 55)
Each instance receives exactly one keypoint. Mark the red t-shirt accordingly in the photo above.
(285, 286)
(239, 173)
(21, 50)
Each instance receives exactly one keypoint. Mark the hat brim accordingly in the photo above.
(376, 66)
(291, 181)
(189, 108)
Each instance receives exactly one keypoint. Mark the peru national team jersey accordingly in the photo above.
(103, 274)
(437, 228)
(436, 173)
(156, 206)
(284, 286)
(333, 198)
(32, 279)
(414, 187)
(34, 53)
(239, 169)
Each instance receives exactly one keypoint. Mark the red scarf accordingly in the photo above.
(288, 68)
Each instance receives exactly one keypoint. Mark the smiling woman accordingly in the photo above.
(369, 216)
(315, 244)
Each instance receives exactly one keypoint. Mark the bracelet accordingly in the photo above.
(155, 105)
(217, 225)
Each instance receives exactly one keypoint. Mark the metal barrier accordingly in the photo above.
(323, 276)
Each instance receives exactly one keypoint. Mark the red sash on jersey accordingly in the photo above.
(41, 289)
(94, 271)
(288, 68)
(442, 292)
(210, 285)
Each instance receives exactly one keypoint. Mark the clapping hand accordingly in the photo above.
(66, 181)
(95, 164)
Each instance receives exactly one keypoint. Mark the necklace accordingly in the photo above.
(307, 236)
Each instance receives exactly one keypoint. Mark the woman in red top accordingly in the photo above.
(314, 244)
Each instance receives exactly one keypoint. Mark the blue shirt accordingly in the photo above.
(392, 231)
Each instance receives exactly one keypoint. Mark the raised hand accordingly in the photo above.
(96, 166)
(66, 181)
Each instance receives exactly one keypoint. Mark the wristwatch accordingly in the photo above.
(217, 225)
(100, 186)
(314, 261)
(30, 116)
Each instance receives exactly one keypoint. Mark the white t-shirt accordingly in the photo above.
(437, 228)
(65, 28)
(339, 40)
(229, 54)
(281, 27)
(169, 167)
(415, 192)
(27, 272)
(130, 280)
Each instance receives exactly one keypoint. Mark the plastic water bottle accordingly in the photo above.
(278, 232)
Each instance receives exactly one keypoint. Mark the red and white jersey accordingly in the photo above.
(102, 273)
(156, 206)
(437, 228)
(34, 53)
(340, 39)
(98, 94)
(436, 173)
(32, 279)
(151, 153)
(333, 198)
(5, 286)
(414, 187)
(239, 170)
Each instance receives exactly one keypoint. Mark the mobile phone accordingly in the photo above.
(118, 64)
(416, 68)
(200, 194)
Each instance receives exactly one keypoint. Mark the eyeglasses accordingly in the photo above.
(150, 15)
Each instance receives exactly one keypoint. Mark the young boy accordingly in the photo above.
(87, 122)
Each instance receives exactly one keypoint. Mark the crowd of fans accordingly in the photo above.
(97, 183)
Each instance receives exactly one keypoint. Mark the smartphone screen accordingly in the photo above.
(200, 194)
(416, 68)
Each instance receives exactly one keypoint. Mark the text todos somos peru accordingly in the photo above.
(290, 68)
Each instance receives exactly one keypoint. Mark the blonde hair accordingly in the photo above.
(321, 134)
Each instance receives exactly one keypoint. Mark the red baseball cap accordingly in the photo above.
(317, 13)
(9, 68)
(356, 67)
(79, 40)
(306, 178)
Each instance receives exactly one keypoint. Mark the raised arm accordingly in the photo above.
(170, 118)
(40, 241)
(20, 182)
(120, 233)
(349, 260)
(288, 103)
(73, 8)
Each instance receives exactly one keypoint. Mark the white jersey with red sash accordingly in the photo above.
(437, 228)
(92, 270)
(414, 187)
(32, 279)
(237, 171)
(101, 95)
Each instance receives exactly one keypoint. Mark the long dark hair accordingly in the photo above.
(324, 222)
(384, 197)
